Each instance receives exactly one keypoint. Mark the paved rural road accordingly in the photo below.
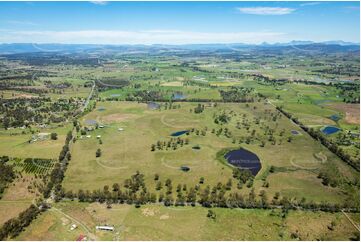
(88, 98)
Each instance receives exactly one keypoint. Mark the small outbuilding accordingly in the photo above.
(73, 226)
(105, 228)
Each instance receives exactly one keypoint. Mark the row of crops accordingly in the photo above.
(37, 165)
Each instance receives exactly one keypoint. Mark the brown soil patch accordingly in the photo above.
(25, 96)
(10, 210)
(116, 117)
(351, 111)
(149, 212)
(65, 221)
(18, 190)
(164, 217)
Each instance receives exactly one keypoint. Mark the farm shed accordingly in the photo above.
(107, 228)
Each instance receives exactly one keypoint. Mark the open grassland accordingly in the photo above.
(152, 222)
(18, 196)
(15, 142)
(124, 152)
(11, 209)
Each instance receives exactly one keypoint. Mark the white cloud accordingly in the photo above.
(99, 2)
(138, 37)
(266, 10)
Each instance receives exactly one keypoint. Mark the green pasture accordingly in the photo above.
(124, 152)
(154, 222)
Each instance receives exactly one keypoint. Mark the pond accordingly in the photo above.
(244, 159)
(335, 117)
(185, 168)
(178, 96)
(321, 101)
(295, 132)
(153, 105)
(101, 109)
(330, 130)
(179, 133)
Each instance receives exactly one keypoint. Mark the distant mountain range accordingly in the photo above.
(16, 48)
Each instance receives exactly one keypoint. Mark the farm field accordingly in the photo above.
(238, 140)
(15, 142)
(129, 150)
(152, 222)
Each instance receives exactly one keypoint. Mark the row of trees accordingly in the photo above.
(7, 175)
(317, 135)
(14, 226)
(172, 143)
(134, 191)
(57, 174)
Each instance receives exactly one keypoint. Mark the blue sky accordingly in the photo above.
(177, 22)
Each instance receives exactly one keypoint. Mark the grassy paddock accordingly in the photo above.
(125, 152)
(152, 222)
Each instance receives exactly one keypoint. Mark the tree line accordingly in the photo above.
(317, 135)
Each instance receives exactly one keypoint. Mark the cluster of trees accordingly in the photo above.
(346, 69)
(222, 118)
(7, 175)
(24, 111)
(243, 176)
(111, 83)
(171, 105)
(265, 80)
(199, 108)
(19, 112)
(317, 135)
(224, 131)
(14, 226)
(146, 96)
(349, 91)
(98, 153)
(172, 143)
(61, 85)
(238, 94)
(46, 59)
(54, 136)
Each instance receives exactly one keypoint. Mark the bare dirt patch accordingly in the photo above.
(21, 189)
(116, 117)
(172, 84)
(351, 111)
(164, 217)
(25, 96)
(149, 212)
(10, 210)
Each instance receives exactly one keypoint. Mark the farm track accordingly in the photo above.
(90, 234)
(351, 221)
